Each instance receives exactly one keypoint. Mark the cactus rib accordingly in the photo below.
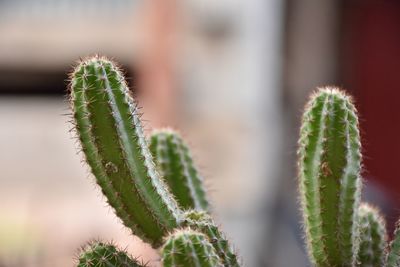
(372, 237)
(186, 247)
(330, 184)
(112, 138)
(176, 166)
(99, 254)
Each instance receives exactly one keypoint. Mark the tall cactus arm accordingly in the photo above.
(186, 247)
(393, 256)
(105, 255)
(372, 237)
(112, 139)
(176, 165)
(329, 166)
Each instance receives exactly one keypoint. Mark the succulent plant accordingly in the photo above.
(99, 254)
(186, 247)
(155, 189)
(176, 166)
(393, 255)
(329, 166)
(372, 237)
(339, 229)
(152, 185)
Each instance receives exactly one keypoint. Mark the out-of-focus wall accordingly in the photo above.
(53, 34)
(225, 71)
(231, 74)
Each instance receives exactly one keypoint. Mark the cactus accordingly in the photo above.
(393, 255)
(202, 222)
(177, 168)
(99, 254)
(108, 125)
(372, 237)
(329, 166)
(112, 139)
(338, 230)
(186, 247)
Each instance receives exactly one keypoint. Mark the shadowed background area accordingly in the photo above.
(231, 76)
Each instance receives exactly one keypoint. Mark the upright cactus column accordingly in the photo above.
(112, 139)
(177, 168)
(329, 166)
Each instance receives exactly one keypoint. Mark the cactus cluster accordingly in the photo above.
(339, 229)
(152, 184)
(155, 189)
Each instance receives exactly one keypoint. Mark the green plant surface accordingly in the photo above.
(373, 237)
(176, 166)
(111, 134)
(99, 254)
(393, 255)
(329, 177)
(202, 222)
(186, 247)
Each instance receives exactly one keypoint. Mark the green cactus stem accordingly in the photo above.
(329, 177)
(111, 134)
(105, 255)
(186, 247)
(176, 166)
(393, 256)
(202, 222)
(372, 237)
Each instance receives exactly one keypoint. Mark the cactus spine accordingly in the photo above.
(176, 166)
(329, 166)
(112, 139)
(372, 237)
(186, 247)
(105, 255)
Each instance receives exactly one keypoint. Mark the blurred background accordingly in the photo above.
(231, 75)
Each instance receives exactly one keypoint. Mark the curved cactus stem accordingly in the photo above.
(176, 166)
(393, 256)
(330, 183)
(202, 222)
(372, 237)
(186, 247)
(105, 255)
(109, 127)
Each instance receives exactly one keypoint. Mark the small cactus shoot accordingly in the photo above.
(203, 222)
(186, 247)
(372, 237)
(393, 256)
(105, 255)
